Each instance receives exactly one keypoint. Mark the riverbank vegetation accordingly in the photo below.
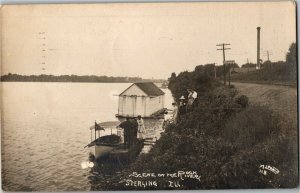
(226, 141)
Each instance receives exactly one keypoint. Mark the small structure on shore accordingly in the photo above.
(142, 98)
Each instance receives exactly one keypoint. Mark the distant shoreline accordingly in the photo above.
(73, 82)
(74, 78)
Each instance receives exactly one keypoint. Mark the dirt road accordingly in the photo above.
(281, 99)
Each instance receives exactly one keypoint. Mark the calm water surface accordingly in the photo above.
(45, 127)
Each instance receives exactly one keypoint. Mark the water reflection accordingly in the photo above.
(87, 164)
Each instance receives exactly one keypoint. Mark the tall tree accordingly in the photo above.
(291, 56)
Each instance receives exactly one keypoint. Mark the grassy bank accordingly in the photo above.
(226, 142)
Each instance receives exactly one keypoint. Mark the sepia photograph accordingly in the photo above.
(149, 96)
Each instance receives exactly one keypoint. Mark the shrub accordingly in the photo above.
(201, 80)
(242, 100)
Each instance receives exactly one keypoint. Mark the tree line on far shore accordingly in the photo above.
(70, 78)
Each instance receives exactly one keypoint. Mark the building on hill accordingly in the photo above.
(143, 98)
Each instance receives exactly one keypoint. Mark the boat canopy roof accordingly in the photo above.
(107, 124)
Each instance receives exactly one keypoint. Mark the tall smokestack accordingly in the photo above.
(258, 47)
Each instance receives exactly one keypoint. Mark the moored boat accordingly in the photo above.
(111, 145)
(103, 145)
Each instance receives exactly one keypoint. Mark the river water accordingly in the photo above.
(45, 127)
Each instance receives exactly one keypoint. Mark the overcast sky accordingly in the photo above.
(146, 40)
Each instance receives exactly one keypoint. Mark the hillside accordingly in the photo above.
(224, 139)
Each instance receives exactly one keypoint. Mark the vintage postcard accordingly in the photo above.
(149, 96)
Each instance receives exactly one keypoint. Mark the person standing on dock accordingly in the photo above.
(141, 127)
(134, 130)
(128, 127)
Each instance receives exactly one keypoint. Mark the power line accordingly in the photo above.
(224, 58)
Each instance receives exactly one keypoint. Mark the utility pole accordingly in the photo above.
(223, 49)
(268, 53)
(215, 70)
(229, 63)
